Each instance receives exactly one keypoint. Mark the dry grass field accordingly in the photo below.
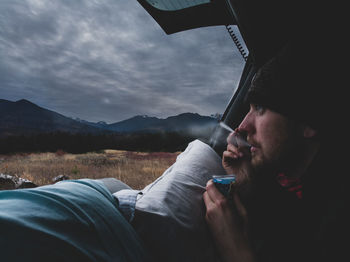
(136, 169)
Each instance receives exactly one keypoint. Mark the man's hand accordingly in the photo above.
(228, 225)
(235, 159)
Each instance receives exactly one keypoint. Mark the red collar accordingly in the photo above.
(291, 184)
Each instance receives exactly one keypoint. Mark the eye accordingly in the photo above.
(259, 109)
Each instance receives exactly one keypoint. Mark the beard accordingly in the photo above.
(256, 183)
(253, 184)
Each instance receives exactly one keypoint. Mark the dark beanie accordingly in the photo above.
(290, 84)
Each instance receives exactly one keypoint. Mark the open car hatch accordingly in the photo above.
(263, 29)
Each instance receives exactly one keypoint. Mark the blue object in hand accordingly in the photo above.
(224, 183)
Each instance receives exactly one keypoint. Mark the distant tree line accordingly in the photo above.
(81, 143)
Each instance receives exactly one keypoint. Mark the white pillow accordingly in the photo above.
(171, 210)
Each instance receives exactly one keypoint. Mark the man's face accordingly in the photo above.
(273, 137)
(276, 142)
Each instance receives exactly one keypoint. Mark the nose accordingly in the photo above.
(247, 124)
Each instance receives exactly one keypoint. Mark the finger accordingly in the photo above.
(213, 192)
(235, 150)
(232, 148)
(231, 139)
(209, 182)
(227, 156)
(207, 199)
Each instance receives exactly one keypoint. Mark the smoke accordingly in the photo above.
(223, 132)
(203, 131)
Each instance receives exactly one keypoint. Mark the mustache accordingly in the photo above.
(253, 142)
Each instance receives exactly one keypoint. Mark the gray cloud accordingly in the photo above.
(109, 60)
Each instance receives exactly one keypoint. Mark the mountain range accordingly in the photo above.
(23, 117)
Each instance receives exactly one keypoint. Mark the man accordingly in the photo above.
(285, 206)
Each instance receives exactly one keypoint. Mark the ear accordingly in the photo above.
(309, 132)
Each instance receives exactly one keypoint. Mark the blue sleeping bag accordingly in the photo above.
(75, 220)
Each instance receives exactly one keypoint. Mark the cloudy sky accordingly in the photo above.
(108, 60)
